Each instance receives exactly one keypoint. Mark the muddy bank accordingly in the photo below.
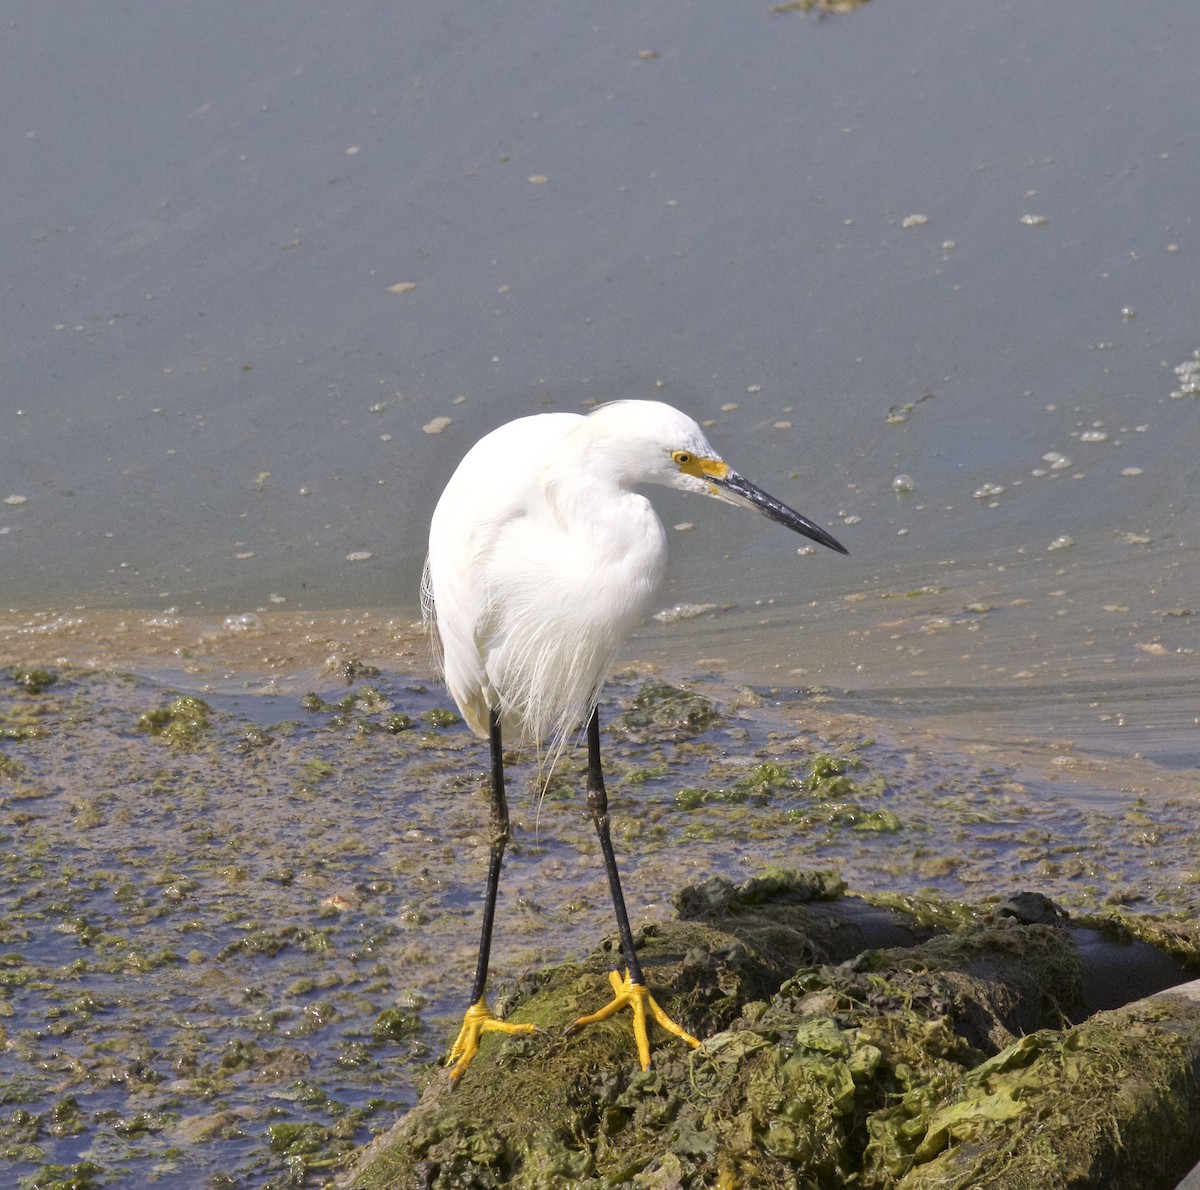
(243, 891)
(844, 1044)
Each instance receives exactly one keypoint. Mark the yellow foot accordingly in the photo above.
(478, 1020)
(627, 994)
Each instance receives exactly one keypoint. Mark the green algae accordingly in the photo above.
(1111, 1102)
(760, 786)
(27, 719)
(352, 669)
(184, 721)
(927, 912)
(369, 709)
(34, 680)
(661, 711)
(101, 997)
(394, 1023)
(828, 776)
(82, 1175)
(718, 896)
(814, 804)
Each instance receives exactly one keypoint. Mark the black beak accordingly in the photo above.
(736, 490)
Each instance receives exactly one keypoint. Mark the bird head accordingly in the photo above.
(651, 442)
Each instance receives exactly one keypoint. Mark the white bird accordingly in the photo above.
(542, 557)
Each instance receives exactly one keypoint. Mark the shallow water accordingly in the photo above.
(212, 401)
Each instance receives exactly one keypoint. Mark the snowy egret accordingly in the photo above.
(541, 558)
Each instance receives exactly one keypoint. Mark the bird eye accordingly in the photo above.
(682, 457)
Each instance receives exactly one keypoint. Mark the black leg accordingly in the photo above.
(597, 803)
(630, 992)
(500, 837)
(479, 1019)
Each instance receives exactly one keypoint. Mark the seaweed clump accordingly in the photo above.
(660, 711)
(184, 721)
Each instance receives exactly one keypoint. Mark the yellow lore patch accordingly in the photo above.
(700, 467)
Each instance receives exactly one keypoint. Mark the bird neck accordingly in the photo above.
(590, 505)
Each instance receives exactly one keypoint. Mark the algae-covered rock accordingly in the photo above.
(1112, 1103)
(843, 1045)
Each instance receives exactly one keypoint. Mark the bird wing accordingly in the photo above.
(493, 490)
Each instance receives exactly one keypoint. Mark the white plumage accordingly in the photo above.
(542, 557)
